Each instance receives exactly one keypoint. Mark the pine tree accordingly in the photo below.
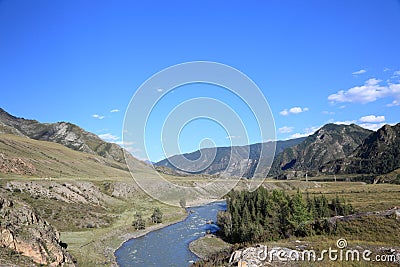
(139, 222)
(299, 213)
(156, 217)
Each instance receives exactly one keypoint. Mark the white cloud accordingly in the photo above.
(344, 122)
(394, 103)
(359, 72)
(232, 136)
(160, 90)
(98, 116)
(285, 129)
(298, 135)
(284, 112)
(108, 137)
(396, 73)
(307, 132)
(328, 112)
(126, 143)
(294, 110)
(369, 92)
(386, 69)
(372, 126)
(114, 110)
(372, 118)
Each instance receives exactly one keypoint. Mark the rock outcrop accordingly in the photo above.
(25, 232)
(16, 166)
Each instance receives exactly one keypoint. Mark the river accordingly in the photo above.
(169, 246)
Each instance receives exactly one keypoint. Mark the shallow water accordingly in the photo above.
(169, 246)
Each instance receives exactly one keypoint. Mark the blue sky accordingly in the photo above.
(315, 61)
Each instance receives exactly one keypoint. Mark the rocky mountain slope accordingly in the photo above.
(233, 161)
(64, 133)
(379, 153)
(23, 231)
(329, 143)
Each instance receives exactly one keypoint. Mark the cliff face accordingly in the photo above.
(25, 232)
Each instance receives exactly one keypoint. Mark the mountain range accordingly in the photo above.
(379, 153)
(329, 143)
(231, 161)
(333, 149)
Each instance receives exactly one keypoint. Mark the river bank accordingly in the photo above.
(139, 233)
(173, 250)
(208, 245)
(96, 247)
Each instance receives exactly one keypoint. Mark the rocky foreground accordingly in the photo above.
(23, 231)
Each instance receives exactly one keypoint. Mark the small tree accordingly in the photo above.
(156, 217)
(139, 222)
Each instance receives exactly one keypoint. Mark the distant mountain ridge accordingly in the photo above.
(244, 159)
(330, 142)
(331, 149)
(67, 134)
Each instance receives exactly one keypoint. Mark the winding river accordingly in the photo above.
(169, 246)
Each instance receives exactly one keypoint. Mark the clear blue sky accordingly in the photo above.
(315, 61)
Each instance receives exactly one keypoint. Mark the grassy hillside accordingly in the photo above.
(48, 159)
(65, 133)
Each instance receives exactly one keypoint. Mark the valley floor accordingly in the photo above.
(94, 216)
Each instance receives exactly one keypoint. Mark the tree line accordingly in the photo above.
(263, 215)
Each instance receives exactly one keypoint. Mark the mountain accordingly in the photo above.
(329, 143)
(379, 153)
(64, 133)
(244, 159)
